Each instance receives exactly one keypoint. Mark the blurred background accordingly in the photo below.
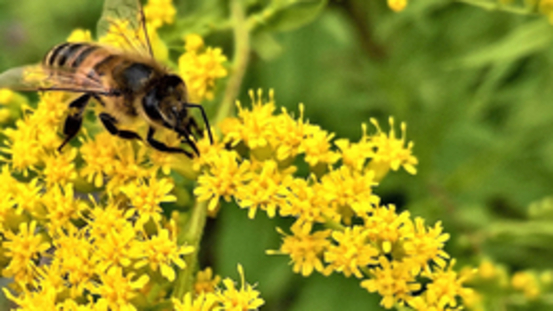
(474, 87)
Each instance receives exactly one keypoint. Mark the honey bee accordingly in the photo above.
(128, 83)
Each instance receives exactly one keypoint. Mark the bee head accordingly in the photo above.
(164, 103)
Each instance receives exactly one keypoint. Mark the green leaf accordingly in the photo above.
(265, 45)
(293, 14)
(526, 40)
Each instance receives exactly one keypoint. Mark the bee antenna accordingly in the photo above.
(204, 116)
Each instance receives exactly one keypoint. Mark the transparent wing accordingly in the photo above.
(41, 78)
(123, 25)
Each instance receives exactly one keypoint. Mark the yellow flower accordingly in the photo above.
(160, 251)
(159, 12)
(42, 299)
(487, 269)
(23, 148)
(527, 283)
(390, 152)
(23, 249)
(6, 96)
(346, 189)
(103, 220)
(266, 190)
(206, 281)
(73, 251)
(28, 197)
(316, 146)
(427, 244)
(385, 227)
(307, 201)
(287, 136)
(35, 133)
(444, 287)
(200, 70)
(392, 280)
(238, 299)
(305, 249)
(61, 207)
(99, 157)
(223, 179)
(253, 127)
(118, 248)
(193, 43)
(12, 102)
(355, 155)
(146, 197)
(80, 35)
(397, 5)
(351, 252)
(116, 290)
(202, 302)
(60, 168)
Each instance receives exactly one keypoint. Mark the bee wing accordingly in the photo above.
(123, 24)
(42, 78)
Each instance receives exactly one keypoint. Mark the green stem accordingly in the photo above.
(496, 6)
(191, 235)
(241, 59)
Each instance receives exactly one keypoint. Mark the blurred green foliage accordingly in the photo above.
(474, 87)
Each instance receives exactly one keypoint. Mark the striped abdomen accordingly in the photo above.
(91, 60)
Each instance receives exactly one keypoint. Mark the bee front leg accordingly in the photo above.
(74, 120)
(193, 127)
(109, 123)
(163, 147)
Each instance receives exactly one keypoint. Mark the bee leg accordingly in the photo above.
(191, 143)
(109, 123)
(193, 127)
(74, 120)
(204, 116)
(163, 147)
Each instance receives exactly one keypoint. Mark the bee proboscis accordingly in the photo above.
(129, 84)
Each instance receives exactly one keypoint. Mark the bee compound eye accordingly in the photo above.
(150, 103)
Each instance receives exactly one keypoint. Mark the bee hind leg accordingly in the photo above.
(109, 123)
(74, 120)
(156, 144)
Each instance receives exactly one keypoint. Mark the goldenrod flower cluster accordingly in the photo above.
(209, 295)
(200, 67)
(340, 225)
(159, 12)
(62, 245)
(85, 229)
(495, 285)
